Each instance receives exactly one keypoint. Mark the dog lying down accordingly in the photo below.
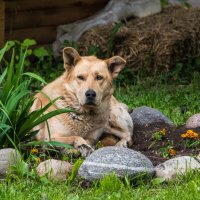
(86, 86)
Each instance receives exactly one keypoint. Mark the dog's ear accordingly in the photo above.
(70, 57)
(115, 65)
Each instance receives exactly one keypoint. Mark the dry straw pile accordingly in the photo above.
(157, 42)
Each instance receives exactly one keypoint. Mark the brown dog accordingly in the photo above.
(86, 86)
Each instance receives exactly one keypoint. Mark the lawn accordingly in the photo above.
(186, 187)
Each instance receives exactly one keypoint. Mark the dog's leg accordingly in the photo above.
(78, 142)
(126, 137)
(94, 136)
(120, 123)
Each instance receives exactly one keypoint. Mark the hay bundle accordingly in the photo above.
(157, 42)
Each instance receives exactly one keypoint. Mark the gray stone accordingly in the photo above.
(145, 116)
(193, 121)
(121, 161)
(8, 158)
(54, 169)
(176, 166)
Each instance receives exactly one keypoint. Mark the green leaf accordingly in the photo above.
(35, 115)
(20, 67)
(3, 75)
(50, 143)
(7, 46)
(9, 84)
(40, 52)
(28, 42)
(2, 51)
(4, 113)
(158, 181)
(4, 126)
(28, 135)
(59, 144)
(35, 76)
(74, 172)
(11, 44)
(15, 100)
(44, 118)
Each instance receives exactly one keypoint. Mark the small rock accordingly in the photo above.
(122, 161)
(193, 121)
(176, 166)
(8, 157)
(54, 169)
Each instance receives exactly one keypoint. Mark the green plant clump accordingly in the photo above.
(16, 98)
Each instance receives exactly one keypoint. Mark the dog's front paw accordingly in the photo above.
(122, 143)
(85, 150)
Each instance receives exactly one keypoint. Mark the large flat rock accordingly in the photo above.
(121, 161)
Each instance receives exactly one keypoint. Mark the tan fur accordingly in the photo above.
(81, 74)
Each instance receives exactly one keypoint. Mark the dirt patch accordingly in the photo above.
(157, 147)
(156, 42)
(157, 151)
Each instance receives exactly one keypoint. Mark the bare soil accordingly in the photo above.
(144, 143)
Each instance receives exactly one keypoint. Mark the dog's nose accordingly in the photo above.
(90, 94)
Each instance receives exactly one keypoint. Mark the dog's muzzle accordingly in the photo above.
(90, 97)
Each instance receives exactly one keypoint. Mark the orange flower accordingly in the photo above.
(34, 151)
(190, 134)
(172, 152)
(184, 135)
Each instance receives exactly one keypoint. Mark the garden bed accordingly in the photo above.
(157, 147)
(158, 151)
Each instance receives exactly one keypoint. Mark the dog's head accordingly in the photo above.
(90, 78)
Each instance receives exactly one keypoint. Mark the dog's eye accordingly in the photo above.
(99, 77)
(80, 77)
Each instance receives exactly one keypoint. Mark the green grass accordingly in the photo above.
(178, 102)
(112, 188)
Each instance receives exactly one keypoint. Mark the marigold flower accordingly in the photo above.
(190, 134)
(184, 135)
(172, 152)
(34, 150)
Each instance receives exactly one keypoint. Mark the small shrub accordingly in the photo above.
(16, 122)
